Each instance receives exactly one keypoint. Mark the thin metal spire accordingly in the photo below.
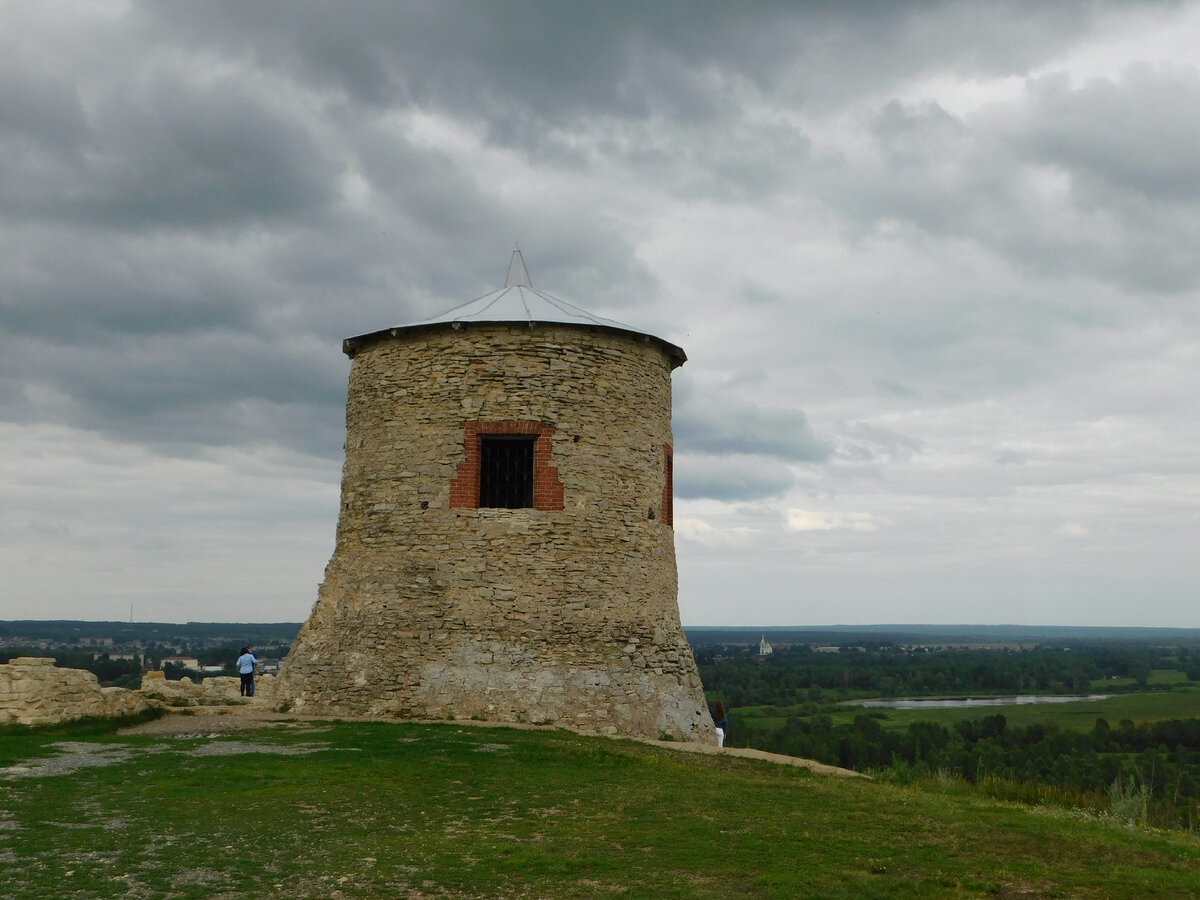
(518, 275)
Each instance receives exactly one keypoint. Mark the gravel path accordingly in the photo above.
(208, 720)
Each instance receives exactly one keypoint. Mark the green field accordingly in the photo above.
(1157, 678)
(302, 809)
(1181, 702)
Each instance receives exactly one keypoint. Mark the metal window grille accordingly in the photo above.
(506, 471)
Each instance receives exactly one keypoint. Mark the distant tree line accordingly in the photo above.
(127, 673)
(1147, 772)
(1159, 761)
(67, 631)
(801, 674)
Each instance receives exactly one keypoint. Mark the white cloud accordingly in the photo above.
(698, 531)
(1072, 530)
(812, 520)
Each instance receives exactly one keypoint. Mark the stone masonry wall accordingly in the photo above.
(566, 615)
(215, 691)
(33, 691)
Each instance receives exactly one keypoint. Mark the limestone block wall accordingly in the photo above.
(221, 690)
(566, 613)
(33, 691)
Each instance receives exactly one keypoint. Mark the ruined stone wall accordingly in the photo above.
(565, 613)
(33, 691)
(216, 691)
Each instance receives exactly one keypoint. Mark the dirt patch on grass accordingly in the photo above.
(747, 753)
(71, 756)
(216, 720)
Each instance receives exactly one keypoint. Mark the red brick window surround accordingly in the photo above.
(668, 498)
(547, 489)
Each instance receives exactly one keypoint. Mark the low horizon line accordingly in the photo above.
(728, 627)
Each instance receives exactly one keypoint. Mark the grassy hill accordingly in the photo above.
(336, 809)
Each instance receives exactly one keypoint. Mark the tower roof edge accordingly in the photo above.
(518, 301)
(351, 345)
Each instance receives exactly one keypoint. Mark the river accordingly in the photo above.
(965, 702)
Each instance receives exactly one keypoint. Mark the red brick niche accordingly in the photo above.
(547, 489)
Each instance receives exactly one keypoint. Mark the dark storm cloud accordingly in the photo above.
(1095, 179)
(518, 64)
(1131, 151)
(863, 441)
(40, 113)
(730, 478)
(174, 393)
(182, 180)
(73, 288)
(1139, 136)
(746, 428)
(737, 450)
(532, 61)
(138, 201)
(897, 217)
(168, 152)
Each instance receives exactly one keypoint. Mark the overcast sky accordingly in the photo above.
(935, 267)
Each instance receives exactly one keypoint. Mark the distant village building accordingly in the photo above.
(187, 662)
(764, 649)
(838, 648)
(505, 548)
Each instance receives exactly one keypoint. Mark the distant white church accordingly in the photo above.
(764, 649)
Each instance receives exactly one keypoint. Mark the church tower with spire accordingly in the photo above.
(504, 546)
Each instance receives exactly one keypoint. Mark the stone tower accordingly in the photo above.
(505, 547)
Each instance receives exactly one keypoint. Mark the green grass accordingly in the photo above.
(398, 810)
(1158, 678)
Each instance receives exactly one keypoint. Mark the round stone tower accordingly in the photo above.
(505, 547)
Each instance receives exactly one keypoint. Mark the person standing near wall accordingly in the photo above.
(247, 663)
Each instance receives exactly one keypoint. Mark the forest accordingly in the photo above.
(99, 647)
(798, 674)
(127, 673)
(1144, 767)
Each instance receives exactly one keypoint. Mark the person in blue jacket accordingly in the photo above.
(246, 665)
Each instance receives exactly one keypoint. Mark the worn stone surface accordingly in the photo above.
(214, 691)
(544, 615)
(33, 691)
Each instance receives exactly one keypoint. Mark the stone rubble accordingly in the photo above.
(33, 691)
